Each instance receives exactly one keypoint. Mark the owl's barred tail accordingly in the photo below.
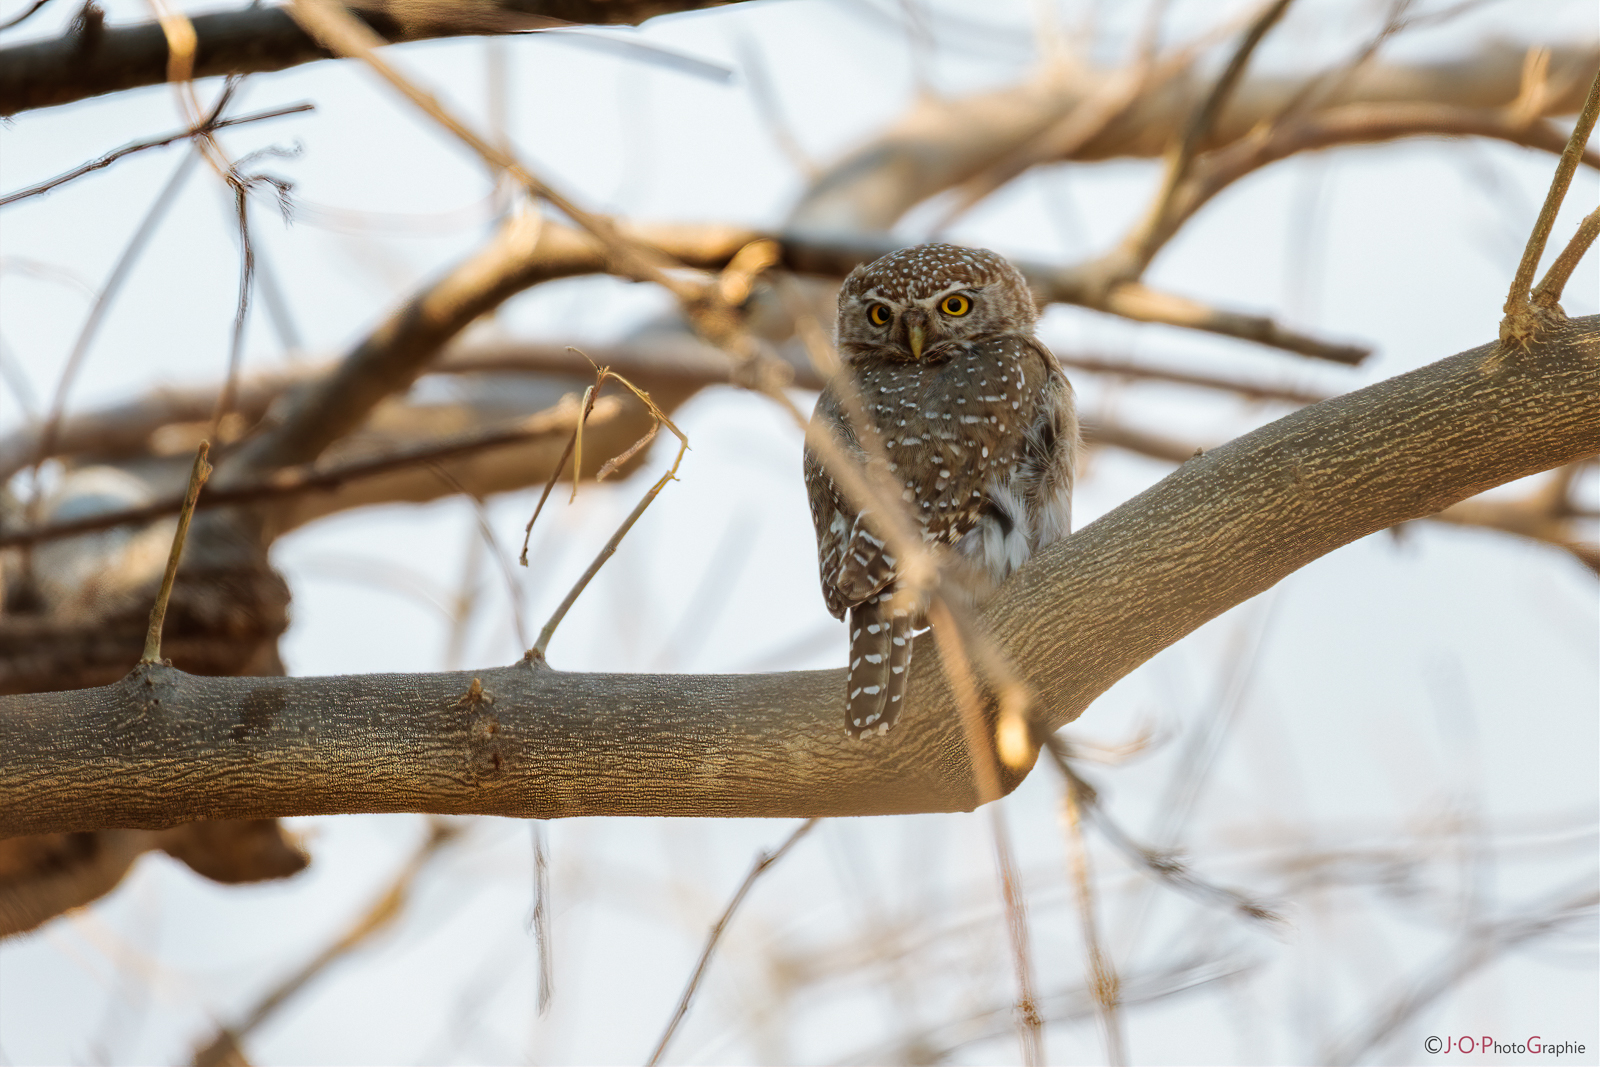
(880, 652)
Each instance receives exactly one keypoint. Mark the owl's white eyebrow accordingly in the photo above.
(942, 293)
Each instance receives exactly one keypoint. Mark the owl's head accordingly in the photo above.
(910, 304)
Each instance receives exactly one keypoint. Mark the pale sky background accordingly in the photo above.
(1422, 706)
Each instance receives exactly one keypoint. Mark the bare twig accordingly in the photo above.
(158, 613)
(1548, 293)
(247, 272)
(539, 914)
(108, 292)
(555, 472)
(1158, 864)
(1522, 320)
(210, 125)
(1030, 1027)
(537, 652)
(1101, 975)
(764, 862)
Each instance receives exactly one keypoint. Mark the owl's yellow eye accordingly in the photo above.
(878, 315)
(955, 305)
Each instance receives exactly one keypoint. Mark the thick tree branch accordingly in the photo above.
(92, 59)
(160, 747)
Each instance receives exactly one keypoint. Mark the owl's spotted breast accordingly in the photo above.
(949, 425)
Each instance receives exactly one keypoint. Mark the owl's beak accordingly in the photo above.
(916, 324)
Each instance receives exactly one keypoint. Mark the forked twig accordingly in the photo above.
(537, 652)
(158, 613)
(764, 861)
(1548, 292)
(1522, 321)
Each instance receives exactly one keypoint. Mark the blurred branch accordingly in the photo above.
(1346, 125)
(1547, 514)
(1219, 530)
(22, 16)
(943, 142)
(1141, 244)
(1117, 367)
(294, 481)
(224, 1048)
(1478, 947)
(43, 876)
(1160, 865)
(92, 59)
(764, 862)
(942, 1042)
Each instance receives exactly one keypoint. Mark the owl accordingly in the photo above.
(976, 423)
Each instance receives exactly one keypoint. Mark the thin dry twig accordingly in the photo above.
(764, 862)
(1523, 319)
(108, 292)
(537, 652)
(1548, 292)
(1101, 976)
(1030, 1027)
(211, 124)
(1161, 865)
(539, 915)
(158, 613)
(486, 530)
(247, 273)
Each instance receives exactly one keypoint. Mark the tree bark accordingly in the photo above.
(92, 59)
(160, 747)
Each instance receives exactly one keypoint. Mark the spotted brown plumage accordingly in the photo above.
(976, 422)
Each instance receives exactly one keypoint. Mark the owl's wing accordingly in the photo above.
(1051, 454)
(851, 559)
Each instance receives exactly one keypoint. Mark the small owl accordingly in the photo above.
(977, 424)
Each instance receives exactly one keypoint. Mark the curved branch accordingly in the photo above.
(161, 747)
(91, 59)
